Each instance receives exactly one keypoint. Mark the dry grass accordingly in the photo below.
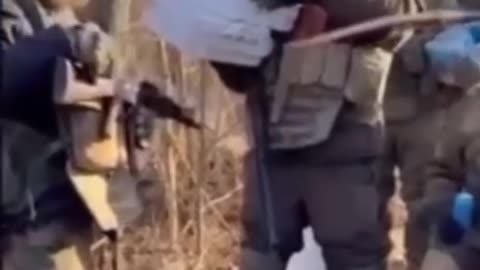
(193, 213)
(192, 217)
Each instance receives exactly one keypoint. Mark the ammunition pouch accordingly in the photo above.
(313, 84)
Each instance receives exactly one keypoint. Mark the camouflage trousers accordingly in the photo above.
(55, 246)
(460, 257)
(409, 147)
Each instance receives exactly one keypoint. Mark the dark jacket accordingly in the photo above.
(29, 49)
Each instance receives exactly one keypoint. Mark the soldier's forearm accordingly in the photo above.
(27, 74)
(27, 64)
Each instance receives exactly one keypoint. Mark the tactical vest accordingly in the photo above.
(314, 82)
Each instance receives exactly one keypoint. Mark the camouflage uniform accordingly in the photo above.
(45, 224)
(414, 111)
(415, 108)
(325, 143)
(455, 167)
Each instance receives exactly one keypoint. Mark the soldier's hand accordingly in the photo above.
(92, 48)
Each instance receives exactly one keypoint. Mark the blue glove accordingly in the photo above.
(453, 228)
(474, 29)
(449, 53)
(463, 207)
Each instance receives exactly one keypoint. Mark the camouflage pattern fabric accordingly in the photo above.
(415, 108)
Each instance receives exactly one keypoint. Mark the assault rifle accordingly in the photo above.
(71, 89)
(98, 119)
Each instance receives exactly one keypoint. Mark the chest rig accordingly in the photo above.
(313, 84)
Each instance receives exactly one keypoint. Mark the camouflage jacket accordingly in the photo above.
(456, 163)
(411, 90)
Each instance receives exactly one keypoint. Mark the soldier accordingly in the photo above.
(414, 110)
(454, 168)
(324, 143)
(44, 221)
(51, 104)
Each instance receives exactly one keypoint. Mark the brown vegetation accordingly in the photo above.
(194, 203)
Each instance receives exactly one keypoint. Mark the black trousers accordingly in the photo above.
(331, 187)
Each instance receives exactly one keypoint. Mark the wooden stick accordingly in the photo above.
(403, 20)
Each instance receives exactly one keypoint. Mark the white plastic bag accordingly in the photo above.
(228, 31)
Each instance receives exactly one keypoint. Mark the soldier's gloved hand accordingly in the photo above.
(440, 214)
(450, 232)
(430, 211)
(91, 48)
